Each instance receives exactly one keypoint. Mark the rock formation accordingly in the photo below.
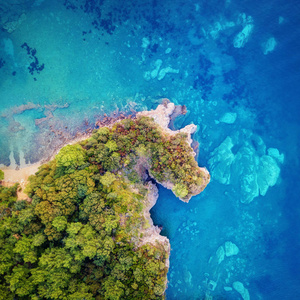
(247, 163)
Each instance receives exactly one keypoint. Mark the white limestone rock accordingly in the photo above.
(231, 249)
(228, 118)
(269, 45)
(220, 253)
(239, 287)
(161, 114)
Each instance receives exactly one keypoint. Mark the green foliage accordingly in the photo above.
(112, 146)
(78, 238)
(180, 190)
(60, 223)
(71, 157)
(8, 197)
(108, 178)
(1, 175)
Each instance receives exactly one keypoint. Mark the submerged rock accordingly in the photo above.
(242, 37)
(212, 285)
(157, 65)
(163, 72)
(268, 173)
(231, 249)
(220, 254)
(246, 165)
(187, 276)
(228, 118)
(244, 168)
(239, 287)
(275, 153)
(221, 160)
(269, 45)
(159, 72)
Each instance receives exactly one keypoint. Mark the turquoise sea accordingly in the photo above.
(236, 67)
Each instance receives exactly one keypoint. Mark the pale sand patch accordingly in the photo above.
(12, 176)
(21, 174)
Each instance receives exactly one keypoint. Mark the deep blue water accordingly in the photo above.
(75, 60)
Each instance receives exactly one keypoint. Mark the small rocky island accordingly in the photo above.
(85, 231)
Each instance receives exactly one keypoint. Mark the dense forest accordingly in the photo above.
(79, 236)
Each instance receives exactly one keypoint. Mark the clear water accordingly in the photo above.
(238, 57)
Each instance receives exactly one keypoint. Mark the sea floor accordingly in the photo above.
(234, 64)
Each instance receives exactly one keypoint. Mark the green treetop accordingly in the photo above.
(79, 237)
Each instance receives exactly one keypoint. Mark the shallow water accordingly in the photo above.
(234, 64)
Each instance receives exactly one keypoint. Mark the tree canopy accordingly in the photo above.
(78, 237)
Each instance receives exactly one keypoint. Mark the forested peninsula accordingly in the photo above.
(85, 231)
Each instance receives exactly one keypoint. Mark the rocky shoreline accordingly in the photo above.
(163, 116)
(19, 173)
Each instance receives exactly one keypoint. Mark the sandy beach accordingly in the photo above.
(13, 176)
(19, 173)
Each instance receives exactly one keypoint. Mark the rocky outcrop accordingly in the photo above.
(151, 234)
(162, 116)
(144, 232)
